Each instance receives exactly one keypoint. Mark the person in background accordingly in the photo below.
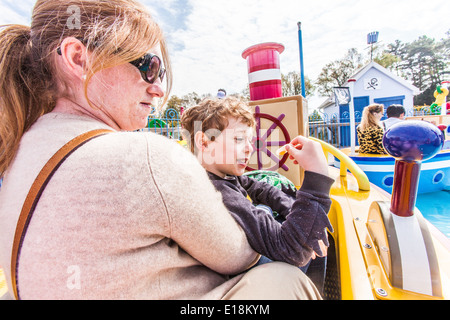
(221, 94)
(370, 132)
(128, 215)
(395, 114)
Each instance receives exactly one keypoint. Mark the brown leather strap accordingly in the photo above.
(35, 193)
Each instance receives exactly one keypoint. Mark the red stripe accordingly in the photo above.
(264, 67)
(265, 83)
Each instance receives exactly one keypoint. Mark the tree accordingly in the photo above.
(174, 103)
(292, 85)
(336, 73)
(190, 100)
(423, 62)
(187, 101)
(386, 59)
(398, 50)
(315, 116)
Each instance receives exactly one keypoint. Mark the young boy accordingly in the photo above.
(219, 132)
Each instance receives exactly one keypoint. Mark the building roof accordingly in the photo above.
(328, 102)
(362, 71)
(386, 72)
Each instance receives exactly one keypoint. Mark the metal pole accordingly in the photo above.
(351, 109)
(302, 73)
(371, 52)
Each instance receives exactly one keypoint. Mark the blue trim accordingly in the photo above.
(381, 100)
(360, 103)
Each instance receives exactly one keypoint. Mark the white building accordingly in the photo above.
(374, 84)
(371, 84)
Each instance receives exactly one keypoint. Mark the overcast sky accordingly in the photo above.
(207, 37)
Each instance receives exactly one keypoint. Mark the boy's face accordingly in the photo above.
(231, 150)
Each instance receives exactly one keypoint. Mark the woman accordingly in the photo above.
(370, 132)
(127, 215)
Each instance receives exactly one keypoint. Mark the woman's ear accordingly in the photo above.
(74, 56)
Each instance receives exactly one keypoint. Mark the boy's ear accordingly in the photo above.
(201, 141)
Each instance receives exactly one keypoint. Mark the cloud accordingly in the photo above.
(206, 38)
(218, 31)
(15, 12)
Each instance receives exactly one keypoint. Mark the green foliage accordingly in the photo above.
(423, 62)
(292, 85)
(336, 73)
(186, 101)
(315, 116)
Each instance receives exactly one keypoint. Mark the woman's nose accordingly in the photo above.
(156, 89)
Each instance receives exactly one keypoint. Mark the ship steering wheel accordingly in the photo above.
(265, 139)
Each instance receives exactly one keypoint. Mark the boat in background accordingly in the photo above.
(434, 174)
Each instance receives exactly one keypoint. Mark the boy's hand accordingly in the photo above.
(324, 249)
(308, 154)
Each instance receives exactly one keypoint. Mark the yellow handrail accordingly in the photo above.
(347, 163)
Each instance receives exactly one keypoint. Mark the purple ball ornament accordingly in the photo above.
(410, 142)
(413, 140)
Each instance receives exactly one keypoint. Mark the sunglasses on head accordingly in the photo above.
(150, 67)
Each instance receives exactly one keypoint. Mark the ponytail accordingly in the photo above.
(23, 95)
(368, 119)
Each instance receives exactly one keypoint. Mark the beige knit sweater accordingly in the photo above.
(126, 216)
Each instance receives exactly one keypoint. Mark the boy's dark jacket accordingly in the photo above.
(305, 215)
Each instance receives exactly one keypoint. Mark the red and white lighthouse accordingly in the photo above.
(264, 73)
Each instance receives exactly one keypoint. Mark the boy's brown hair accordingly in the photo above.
(211, 117)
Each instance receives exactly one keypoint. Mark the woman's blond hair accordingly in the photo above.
(114, 32)
(214, 114)
(368, 119)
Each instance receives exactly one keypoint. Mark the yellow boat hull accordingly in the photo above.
(361, 272)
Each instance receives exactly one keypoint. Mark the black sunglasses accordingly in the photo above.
(150, 67)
